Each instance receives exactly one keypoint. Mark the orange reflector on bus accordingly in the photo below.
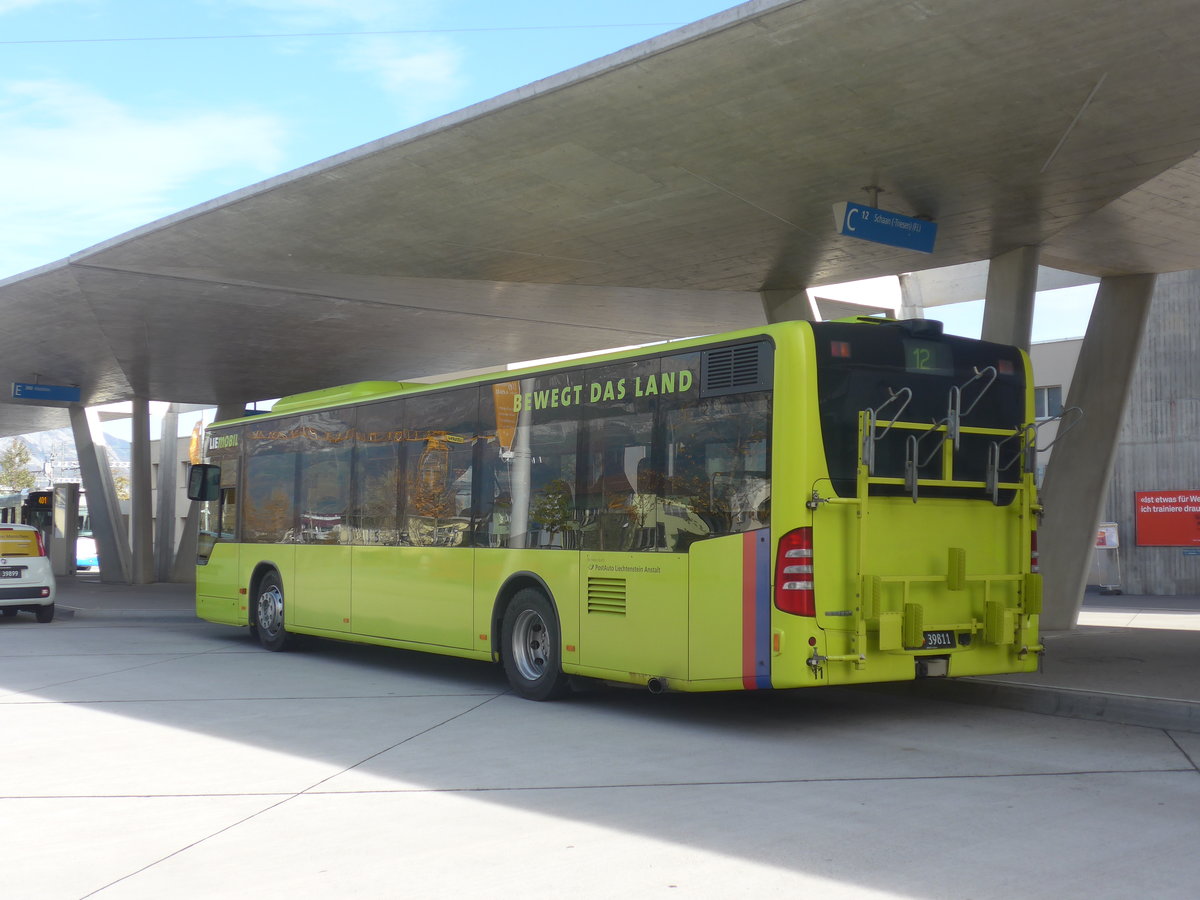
(839, 349)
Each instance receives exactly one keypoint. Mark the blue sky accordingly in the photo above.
(103, 131)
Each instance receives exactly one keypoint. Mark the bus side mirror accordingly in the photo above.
(204, 482)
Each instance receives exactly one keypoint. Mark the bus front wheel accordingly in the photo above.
(532, 647)
(268, 613)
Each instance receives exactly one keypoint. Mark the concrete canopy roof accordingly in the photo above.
(646, 195)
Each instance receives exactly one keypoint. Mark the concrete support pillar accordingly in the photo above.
(912, 299)
(108, 528)
(183, 570)
(228, 411)
(66, 529)
(141, 509)
(1011, 288)
(168, 483)
(787, 306)
(1078, 473)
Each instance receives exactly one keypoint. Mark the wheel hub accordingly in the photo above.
(270, 610)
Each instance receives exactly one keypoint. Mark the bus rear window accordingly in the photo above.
(860, 366)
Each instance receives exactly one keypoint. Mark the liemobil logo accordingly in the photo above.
(222, 441)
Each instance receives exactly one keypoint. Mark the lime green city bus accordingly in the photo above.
(794, 505)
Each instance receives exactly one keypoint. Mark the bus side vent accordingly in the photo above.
(606, 596)
(733, 370)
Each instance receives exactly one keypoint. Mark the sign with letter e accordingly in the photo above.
(45, 393)
(882, 227)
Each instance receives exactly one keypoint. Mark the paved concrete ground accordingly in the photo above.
(152, 755)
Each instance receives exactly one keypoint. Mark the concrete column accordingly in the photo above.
(184, 569)
(66, 529)
(228, 411)
(787, 306)
(141, 508)
(1078, 473)
(168, 471)
(1011, 288)
(912, 298)
(112, 540)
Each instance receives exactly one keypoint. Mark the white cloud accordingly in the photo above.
(421, 72)
(77, 168)
(421, 76)
(7, 6)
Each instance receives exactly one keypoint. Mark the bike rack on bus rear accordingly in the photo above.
(899, 630)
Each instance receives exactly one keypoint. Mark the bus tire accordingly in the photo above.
(268, 614)
(531, 647)
(45, 614)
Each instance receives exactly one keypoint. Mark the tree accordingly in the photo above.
(121, 487)
(15, 474)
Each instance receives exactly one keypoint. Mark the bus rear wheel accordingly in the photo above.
(268, 613)
(531, 647)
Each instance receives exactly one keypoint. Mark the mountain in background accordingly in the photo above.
(54, 452)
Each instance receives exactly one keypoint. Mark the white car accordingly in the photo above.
(26, 580)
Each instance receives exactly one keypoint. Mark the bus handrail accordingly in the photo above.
(870, 438)
(1027, 449)
(955, 414)
(1061, 417)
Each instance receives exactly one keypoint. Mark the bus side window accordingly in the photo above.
(438, 507)
(528, 463)
(718, 478)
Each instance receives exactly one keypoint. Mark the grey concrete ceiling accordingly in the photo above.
(649, 194)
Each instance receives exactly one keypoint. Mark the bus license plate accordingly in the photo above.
(939, 640)
(11, 571)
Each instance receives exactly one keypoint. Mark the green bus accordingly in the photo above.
(794, 505)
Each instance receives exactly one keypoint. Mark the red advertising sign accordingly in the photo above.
(1167, 518)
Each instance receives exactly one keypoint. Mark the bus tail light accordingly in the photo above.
(794, 573)
(1034, 565)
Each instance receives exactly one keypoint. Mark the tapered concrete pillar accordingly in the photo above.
(912, 298)
(1011, 289)
(66, 529)
(184, 568)
(141, 506)
(1078, 473)
(787, 306)
(168, 484)
(228, 411)
(108, 528)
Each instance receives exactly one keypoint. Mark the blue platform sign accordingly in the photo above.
(45, 393)
(882, 227)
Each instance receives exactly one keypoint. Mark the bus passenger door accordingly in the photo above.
(321, 594)
(218, 554)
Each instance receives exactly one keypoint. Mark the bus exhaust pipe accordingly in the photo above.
(656, 685)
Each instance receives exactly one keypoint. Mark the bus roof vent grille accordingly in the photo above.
(735, 369)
